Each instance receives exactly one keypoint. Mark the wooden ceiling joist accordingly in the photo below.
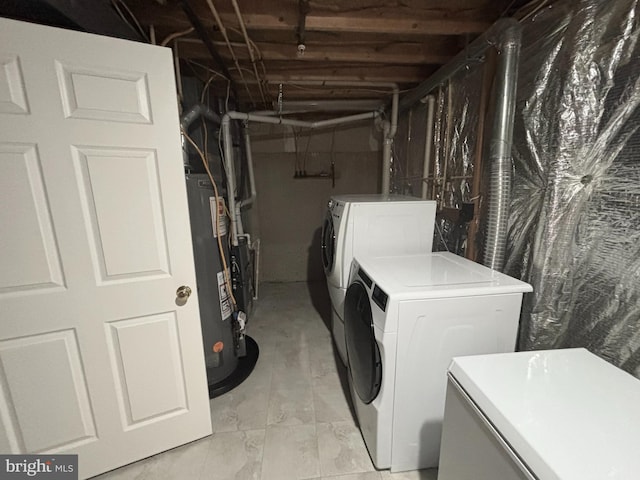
(400, 54)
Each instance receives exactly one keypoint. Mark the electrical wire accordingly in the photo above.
(136, 26)
(225, 266)
(175, 36)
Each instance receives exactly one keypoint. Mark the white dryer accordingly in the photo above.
(555, 414)
(370, 225)
(406, 317)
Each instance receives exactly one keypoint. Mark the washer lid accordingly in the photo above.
(379, 197)
(568, 414)
(440, 270)
(437, 275)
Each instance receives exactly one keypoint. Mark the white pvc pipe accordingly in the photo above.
(252, 180)
(428, 142)
(331, 105)
(390, 130)
(229, 168)
(386, 159)
(234, 210)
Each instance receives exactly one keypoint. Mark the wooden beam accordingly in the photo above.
(377, 21)
(395, 53)
(437, 25)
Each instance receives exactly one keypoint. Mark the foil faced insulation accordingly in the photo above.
(574, 230)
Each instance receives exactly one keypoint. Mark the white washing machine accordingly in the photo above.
(369, 225)
(406, 317)
(544, 415)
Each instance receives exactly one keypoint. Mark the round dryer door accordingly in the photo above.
(328, 243)
(363, 354)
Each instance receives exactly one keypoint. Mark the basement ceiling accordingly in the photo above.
(263, 51)
(284, 48)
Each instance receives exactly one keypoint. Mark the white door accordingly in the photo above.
(96, 355)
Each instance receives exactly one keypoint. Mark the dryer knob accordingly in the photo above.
(330, 204)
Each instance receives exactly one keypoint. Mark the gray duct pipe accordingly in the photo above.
(234, 210)
(196, 111)
(504, 35)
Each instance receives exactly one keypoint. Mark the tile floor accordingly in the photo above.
(291, 419)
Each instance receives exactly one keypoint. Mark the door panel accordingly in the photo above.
(149, 387)
(95, 242)
(29, 254)
(46, 423)
(124, 95)
(127, 230)
(12, 95)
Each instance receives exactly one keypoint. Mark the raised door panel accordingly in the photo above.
(124, 95)
(145, 354)
(44, 404)
(12, 95)
(29, 257)
(125, 224)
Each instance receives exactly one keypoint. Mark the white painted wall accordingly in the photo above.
(288, 213)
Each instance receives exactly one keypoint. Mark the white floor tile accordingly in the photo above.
(356, 476)
(330, 404)
(290, 453)
(342, 449)
(428, 474)
(291, 419)
(234, 456)
(240, 409)
(291, 406)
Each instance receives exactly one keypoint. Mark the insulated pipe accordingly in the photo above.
(428, 143)
(505, 35)
(236, 221)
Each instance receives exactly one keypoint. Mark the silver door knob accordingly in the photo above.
(183, 292)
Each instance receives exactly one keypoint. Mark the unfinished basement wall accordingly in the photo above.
(289, 211)
(454, 150)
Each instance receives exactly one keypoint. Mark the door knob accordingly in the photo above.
(183, 293)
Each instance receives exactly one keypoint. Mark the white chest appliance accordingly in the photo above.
(545, 415)
(406, 317)
(371, 225)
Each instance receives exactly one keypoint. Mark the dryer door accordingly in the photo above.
(328, 244)
(363, 354)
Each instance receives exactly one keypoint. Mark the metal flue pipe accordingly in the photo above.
(504, 35)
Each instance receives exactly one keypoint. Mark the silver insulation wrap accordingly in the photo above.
(574, 216)
(453, 149)
(574, 230)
